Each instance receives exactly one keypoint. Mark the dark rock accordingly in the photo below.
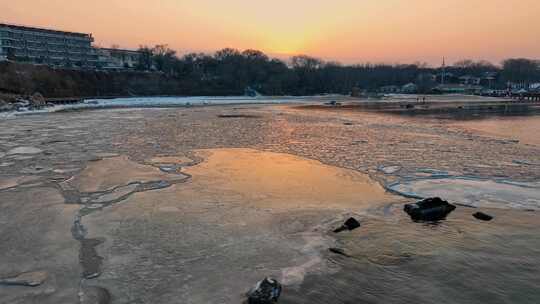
(482, 216)
(339, 251)
(266, 291)
(5, 106)
(409, 106)
(31, 279)
(238, 116)
(21, 105)
(37, 100)
(21, 102)
(430, 209)
(248, 91)
(333, 103)
(349, 224)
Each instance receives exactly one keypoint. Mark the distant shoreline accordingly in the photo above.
(402, 105)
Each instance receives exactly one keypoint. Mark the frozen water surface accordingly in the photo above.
(473, 191)
(240, 214)
(149, 102)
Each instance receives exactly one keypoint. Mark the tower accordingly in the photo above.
(443, 71)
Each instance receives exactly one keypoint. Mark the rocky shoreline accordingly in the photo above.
(22, 103)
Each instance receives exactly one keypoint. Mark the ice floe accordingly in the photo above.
(473, 191)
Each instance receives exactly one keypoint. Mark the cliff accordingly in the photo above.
(25, 79)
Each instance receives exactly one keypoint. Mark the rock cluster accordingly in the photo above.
(5, 106)
(430, 209)
(24, 103)
(37, 100)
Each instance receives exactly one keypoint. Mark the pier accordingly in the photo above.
(526, 97)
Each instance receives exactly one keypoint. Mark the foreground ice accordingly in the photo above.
(473, 191)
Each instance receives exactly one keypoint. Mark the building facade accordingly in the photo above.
(118, 59)
(46, 46)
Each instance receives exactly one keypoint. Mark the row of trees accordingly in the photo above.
(521, 70)
(229, 72)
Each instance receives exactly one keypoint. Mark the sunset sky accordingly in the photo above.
(349, 31)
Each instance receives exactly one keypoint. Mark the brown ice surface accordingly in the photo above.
(184, 206)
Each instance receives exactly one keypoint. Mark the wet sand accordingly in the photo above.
(194, 205)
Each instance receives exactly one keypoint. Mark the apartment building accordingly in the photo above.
(47, 46)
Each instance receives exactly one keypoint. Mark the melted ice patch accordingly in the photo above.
(24, 150)
(473, 191)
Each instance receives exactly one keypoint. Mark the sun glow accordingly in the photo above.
(346, 30)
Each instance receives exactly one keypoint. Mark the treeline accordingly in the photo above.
(230, 71)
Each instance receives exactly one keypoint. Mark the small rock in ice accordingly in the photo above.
(31, 279)
(349, 224)
(339, 251)
(482, 216)
(266, 291)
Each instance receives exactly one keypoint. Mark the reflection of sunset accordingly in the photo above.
(278, 181)
(346, 30)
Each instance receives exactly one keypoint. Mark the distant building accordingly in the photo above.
(489, 79)
(458, 89)
(517, 86)
(119, 58)
(534, 87)
(470, 80)
(409, 88)
(390, 89)
(46, 46)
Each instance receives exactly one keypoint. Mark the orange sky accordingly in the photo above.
(346, 30)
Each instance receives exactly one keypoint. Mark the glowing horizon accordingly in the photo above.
(349, 31)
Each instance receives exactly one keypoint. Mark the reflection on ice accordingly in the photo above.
(473, 191)
(283, 181)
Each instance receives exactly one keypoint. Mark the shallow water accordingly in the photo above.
(243, 214)
(460, 260)
(525, 129)
(245, 211)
